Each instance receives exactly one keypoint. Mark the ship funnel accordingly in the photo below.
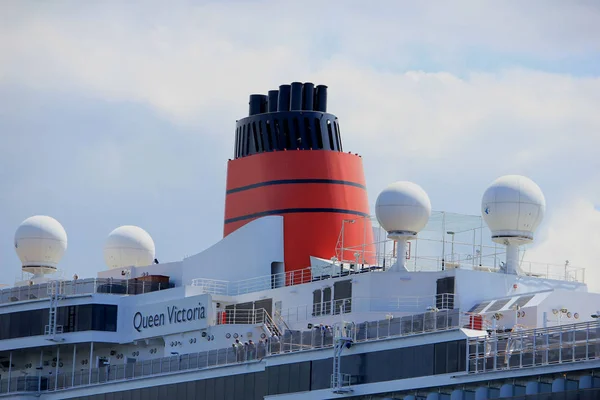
(288, 130)
(294, 117)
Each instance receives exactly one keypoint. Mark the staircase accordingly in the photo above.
(55, 293)
(270, 326)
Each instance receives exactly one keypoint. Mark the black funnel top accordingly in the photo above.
(293, 117)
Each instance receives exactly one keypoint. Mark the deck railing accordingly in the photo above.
(318, 337)
(267, 282)
(82, 287)
(534, 347)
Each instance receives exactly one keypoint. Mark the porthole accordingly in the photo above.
(228, 335)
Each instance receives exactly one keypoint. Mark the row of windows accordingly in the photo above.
(87, 317)
(379, 366)
(253, 387)
(290, 133)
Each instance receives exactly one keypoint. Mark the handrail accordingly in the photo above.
(81, 287)
(534, 347)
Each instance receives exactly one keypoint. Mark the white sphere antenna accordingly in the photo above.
(402, 209)
(129, 246)
(513, 206)
(40, 243)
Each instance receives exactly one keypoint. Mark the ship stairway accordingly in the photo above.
(344, 337)
(55, 293)
(270, 326)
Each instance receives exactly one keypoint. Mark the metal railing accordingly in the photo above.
(291, 341)
(267, 282)
(235, 316)
(534, 347)
(82, 287)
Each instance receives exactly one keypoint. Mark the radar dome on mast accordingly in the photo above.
(403, 209)
(40, 243)
(129, 246)
(513, 206)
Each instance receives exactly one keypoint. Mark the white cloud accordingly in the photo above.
(574, 236)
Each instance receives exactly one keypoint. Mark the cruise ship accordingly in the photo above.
(307, 295)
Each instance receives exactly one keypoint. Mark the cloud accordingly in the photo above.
(133, 105)
(574, 236)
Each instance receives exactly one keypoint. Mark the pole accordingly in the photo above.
(73, 372)
(364, 239)
(9, 371)
(443, 239)
(40, 370)
(57, 363)
(481, 242)
(90, 362)
(453, 247)
(474, 240)
(342, 252)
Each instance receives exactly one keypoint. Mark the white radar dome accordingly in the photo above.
(513, 206)
(403, 209)
(40, 243)
(129, 246)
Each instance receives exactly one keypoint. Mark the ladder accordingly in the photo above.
(55, 289)
(344, 336)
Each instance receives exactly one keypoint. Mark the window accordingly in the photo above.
(317, 298)
(445, 293)
(342, 296)
(86, 317)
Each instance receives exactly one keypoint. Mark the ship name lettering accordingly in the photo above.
(175, 315)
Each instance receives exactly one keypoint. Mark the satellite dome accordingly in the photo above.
(128, 246)
(513, 207)
(40, 243)
(403, 209)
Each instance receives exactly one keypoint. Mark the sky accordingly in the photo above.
(115, 113)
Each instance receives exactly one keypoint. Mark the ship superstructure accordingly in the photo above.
(307, 296)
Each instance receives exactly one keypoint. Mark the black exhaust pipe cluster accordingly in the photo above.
(295, 97)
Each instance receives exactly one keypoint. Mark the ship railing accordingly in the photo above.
(242, 317)
(267, 282)
(534, 347)
(212, 286)
(396, 304)
(317, 337)
(82, 287)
